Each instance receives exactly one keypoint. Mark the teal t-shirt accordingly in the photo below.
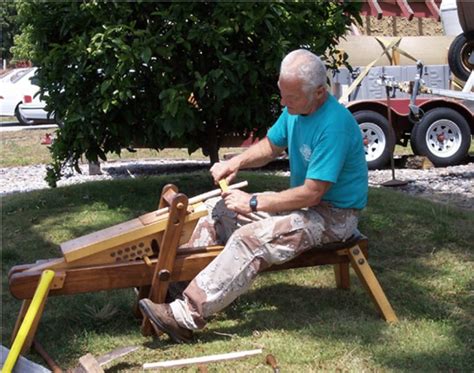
(325, 145)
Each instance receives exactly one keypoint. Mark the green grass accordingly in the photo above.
(421, 252)
(24, 148)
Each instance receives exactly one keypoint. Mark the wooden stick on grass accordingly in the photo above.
(201, 360)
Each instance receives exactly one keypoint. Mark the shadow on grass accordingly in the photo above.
(403, 233)
(350, 317)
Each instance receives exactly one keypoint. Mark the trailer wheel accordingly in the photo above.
(459, 53)
(444, 136)
(379, 137)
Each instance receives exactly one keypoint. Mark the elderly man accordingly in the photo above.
(328, 189)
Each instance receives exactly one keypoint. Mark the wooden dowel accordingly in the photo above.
(201, 360)
(204, 196)
(147, 261)
(216, 192)
(42, 352)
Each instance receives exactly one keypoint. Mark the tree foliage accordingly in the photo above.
(9, 28)
(121, 73)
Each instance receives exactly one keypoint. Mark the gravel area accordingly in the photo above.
(452, 185)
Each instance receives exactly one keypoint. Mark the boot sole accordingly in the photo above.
(151, 316)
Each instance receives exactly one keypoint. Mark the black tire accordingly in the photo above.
(20, 119)
(465, 14)
(413, 140)
(444, 136)
(458, 55)
(379, 138)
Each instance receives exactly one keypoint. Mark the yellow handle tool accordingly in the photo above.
(41, 292)
(223, 185)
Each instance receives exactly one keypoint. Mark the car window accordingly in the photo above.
(15, 77)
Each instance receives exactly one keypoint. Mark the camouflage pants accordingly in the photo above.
(252, 245)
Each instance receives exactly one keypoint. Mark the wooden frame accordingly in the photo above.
(153, 271)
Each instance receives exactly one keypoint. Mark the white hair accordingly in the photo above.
(304, 65)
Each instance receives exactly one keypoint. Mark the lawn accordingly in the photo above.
(24, 148)
(421, 252)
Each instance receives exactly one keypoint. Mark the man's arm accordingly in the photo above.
(306, 195)
(256, 156)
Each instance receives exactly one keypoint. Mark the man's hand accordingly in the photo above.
(237, 201)
(221, 170)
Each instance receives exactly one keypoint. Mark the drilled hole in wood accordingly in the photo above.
(134, 247)
(154, 246)
(112, 254)
(127, 249)
(141, 244)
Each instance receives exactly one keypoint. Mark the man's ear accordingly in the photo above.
(319, 92)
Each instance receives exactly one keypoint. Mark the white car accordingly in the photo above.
(18, 97)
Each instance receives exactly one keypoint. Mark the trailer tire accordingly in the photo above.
(458, 55)
(379, 137)
(444, 136)
(413, 140)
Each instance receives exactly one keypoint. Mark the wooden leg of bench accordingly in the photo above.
(141, 292)
(341, 271)
(34, 326)
(370, 282)
(21, 316)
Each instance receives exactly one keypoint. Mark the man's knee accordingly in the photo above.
(244, 236)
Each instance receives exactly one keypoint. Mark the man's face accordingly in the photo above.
(293, 96)
(296, 99)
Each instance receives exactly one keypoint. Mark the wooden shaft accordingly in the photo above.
(147, 261)
(201, 360)
(42, 352)
(216, 192)
(204, 196)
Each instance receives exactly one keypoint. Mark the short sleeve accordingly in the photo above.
(278, 133)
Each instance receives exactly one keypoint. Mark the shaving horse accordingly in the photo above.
(143, 253)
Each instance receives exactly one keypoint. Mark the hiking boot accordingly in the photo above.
(162, 316)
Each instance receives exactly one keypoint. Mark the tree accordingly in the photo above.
(9, 28)
(161, 74)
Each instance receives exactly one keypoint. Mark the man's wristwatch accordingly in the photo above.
(253, 203)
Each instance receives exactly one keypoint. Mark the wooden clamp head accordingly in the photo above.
(167, 194)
